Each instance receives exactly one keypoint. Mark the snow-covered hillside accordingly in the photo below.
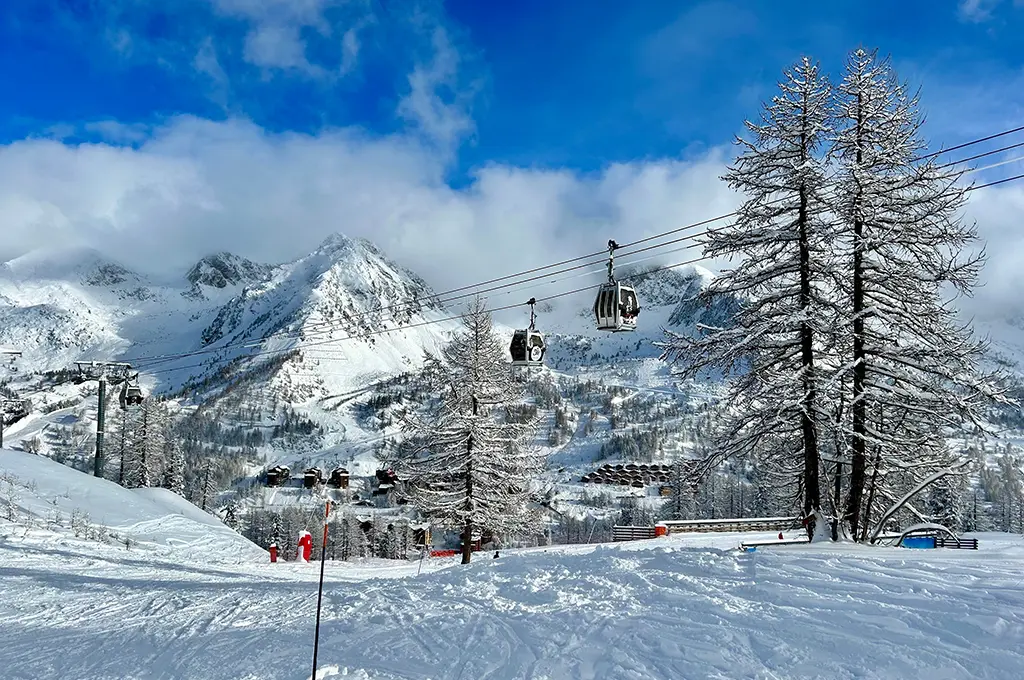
(50, 501)
(691, 607)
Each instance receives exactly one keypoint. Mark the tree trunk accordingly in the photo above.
(858, 459)
(467, 538)
(812, 491)
(467, 532)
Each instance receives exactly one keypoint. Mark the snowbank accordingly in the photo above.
(48, 494)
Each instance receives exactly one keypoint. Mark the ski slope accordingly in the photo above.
(191, 601)
(49, 495)
(190, 598)
(654, 609)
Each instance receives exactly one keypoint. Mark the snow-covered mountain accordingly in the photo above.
(63, 304)
(224, 270)
(72, 304)
(336, 307)
(318, 335)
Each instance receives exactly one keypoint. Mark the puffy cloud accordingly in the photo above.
(197, 186)
(997, 211)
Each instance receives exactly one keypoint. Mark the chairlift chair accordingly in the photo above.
(617, 305)
(527, 347)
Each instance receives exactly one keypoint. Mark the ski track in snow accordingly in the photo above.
(669, 608)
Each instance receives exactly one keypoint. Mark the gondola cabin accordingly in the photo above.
(527, 348)
(338, 478)
(131, 395)
(616, 307)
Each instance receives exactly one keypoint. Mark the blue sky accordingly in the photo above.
(464, 137)
(574, 84)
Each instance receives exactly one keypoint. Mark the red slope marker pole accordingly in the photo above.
(320, 593)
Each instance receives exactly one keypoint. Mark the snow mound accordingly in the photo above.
(45, 493)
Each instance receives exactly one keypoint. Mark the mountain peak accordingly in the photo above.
(335, 241)
(224, 269)
(85, 265)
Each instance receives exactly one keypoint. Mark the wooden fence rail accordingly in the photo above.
(733, 524)
(624, 533)
(962, 543)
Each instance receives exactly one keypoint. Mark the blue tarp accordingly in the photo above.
(918, 542)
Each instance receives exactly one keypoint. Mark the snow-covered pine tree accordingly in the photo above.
(174, 466)
(947, 502)
(913, 367)
(634, 512)
(119, 447)
(680, 504)
(208, 485)
(145, 462)
(355, 541)
(468, 467)
(782, 239)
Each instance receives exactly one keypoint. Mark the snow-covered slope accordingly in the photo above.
(40, 494)
(689, 607)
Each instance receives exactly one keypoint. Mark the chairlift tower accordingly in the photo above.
(7, 357)
(102, 372)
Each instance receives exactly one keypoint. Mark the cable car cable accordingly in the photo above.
(327, 328)
(437, 296)
(491, 310)
(330, 327)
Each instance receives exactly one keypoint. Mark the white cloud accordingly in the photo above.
(977, 11)
(444, 119)
(198, 186)
(997, 211)
(349, 50)
(275, 36)
(207, 63)
(278, 46)
(118, 133)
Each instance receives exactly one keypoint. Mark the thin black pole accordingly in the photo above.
(97, 468)
(320, 593)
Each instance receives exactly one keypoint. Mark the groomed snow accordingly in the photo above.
(194, 600)
(690, 606)
(669, 608)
